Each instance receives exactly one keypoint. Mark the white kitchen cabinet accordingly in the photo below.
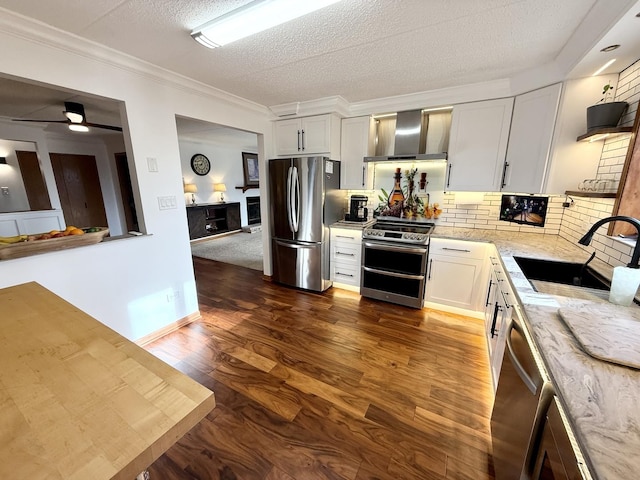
(498, 309)
(304, 136)
(346, 253)
(356, 142)
(529, 148)
(455, 271)
(478, 145)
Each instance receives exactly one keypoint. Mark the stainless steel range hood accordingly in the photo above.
(412, 135)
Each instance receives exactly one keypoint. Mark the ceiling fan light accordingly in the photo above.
(78, 128)
(74, 117)
(254, 17)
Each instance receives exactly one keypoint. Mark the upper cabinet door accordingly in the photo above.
(288, 137)
(316, 134)
(356, 143)
(478, 145)
(528, 152)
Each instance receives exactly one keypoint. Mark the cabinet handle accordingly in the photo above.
(430, 265)
(344, 236)
(456, 249)
(495, 319)
(344, 274)
(298, 140)
(506, 303)
(346, 254)
(504, 174)
(363, 171)
(303, 139)
(449, 176)
(486, 304)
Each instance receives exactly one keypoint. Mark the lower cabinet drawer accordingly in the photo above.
(345, 273)
(346, 253)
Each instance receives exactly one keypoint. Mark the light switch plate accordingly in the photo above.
(167, 203)
(152, 164)
(5, 190)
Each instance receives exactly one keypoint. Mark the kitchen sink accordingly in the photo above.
(567, 273)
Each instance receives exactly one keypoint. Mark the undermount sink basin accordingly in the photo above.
(566, 273)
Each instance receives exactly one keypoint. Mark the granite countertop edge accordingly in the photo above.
(599, 397)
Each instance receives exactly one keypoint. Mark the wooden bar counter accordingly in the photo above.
(78, 400)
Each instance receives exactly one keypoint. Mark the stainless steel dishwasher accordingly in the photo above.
(521, 402)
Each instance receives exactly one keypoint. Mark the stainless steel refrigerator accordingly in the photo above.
(305, 199)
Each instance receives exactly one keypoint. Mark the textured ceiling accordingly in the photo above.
(358, 49)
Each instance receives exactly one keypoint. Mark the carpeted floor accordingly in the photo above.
(243, 249)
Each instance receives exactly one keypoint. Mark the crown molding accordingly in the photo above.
(37, 32)
(335, 104)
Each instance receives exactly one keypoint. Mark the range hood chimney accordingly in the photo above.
(406, 137)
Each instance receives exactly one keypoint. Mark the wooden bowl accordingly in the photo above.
(34, 247)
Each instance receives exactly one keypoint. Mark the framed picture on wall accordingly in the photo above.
(250, 168)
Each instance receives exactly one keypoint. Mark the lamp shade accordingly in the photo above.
(190, 188)
(219, 187)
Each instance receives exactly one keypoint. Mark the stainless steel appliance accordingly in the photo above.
(394, 261)
(521, 401)
(556, 458)
(358, 211)
(304, 200)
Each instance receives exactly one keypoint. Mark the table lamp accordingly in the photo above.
(220, 187)
(192, 189)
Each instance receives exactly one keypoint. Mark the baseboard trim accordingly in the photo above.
(456, 310)
(172, 327)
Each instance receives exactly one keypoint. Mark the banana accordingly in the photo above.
(14, 239)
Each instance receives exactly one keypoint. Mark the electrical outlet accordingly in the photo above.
(5, 190)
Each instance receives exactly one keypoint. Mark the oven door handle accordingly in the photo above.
(393, 274)
(392, 248)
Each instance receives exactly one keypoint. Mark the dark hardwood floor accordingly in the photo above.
(327, 386)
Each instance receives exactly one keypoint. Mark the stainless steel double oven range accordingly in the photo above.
(394, 261)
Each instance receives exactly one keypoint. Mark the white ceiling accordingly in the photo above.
(357, 49)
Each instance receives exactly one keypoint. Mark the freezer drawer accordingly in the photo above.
(302, 265)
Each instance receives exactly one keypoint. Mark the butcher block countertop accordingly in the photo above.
(78, 400)
(599, 397)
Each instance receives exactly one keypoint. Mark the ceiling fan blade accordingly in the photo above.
(38, 121)
(98, 125)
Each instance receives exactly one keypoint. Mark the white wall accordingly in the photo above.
(11, 176)
(226, 167)
(139, 285)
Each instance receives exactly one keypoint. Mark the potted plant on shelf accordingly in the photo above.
(605, 113)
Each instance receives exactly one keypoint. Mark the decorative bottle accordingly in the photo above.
(396, 197)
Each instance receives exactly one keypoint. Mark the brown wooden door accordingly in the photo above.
(79, 189)
(37, 193)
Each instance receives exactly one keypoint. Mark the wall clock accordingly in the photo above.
(200, 164)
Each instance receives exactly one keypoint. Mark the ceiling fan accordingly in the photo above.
(76, 119)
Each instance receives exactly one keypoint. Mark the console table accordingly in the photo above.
(78, 399)
(213, 218)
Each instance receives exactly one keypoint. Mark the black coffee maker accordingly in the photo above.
(358, 208)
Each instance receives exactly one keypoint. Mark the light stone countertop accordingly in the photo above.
(600, 398)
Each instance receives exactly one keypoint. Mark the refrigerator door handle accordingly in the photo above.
(289, 204)
(295, 200)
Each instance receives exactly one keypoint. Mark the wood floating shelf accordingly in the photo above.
(602, 133)
(588, 194)
(247, 187)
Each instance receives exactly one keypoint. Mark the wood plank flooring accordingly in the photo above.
(327, 386)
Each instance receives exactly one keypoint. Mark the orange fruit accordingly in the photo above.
(76, 231)
(54, 232)
(69, 228)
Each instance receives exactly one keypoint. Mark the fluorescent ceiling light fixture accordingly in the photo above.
(254, 17)
(603, 67)
(78, 128)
